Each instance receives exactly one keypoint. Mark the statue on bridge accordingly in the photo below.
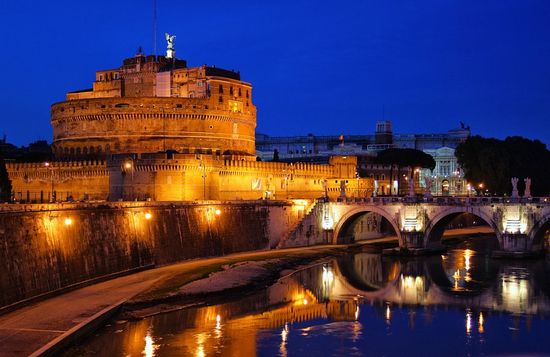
(428, 187)
(411, 188)
(342, 188)
(515, 193)
(527, 193)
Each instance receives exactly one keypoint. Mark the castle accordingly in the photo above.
(155, 129)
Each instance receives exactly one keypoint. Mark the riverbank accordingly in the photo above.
(48, 326)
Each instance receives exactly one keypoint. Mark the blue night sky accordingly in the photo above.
(319, 67)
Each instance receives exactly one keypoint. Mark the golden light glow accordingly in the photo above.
(305, 301)
(357, 313)
(480, 322)
(468, 322)
(150, 347)
(218, 212)
(388, 313)
(128, 165)
(148, 216)
(47, 164)
(68, 221)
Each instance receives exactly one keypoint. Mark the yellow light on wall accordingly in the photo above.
(68, 221)
(128, 165)
(218, 212)
(148, 216)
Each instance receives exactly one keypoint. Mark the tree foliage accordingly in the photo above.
(5, 183)
(494, 162)
(406, 157)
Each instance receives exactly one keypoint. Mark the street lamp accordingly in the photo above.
(50, 167)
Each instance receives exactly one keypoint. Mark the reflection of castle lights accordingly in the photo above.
(201, 338)
(218, 322)
(357, 312)
(388, 312)
(467, 255)
(284, 337)
(328, 276)
(480, 323)
(456, 277)
(150, 347)
(468, 321)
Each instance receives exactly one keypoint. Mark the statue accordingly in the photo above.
(170, 40)
(411, 188)
(428, 188)
(527, 193)
(170, 51)
(515, 193)
(375, 191)
(342, 188)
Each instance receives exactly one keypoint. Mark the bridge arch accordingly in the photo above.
(537, 233)
(350, 217)
(437, 224)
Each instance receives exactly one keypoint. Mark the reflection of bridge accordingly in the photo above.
(519, 224)
(421, 282)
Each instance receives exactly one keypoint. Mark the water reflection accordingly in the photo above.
(336, 300)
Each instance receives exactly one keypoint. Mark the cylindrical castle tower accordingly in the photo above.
(154, 104)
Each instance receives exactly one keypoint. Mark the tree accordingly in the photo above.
(410, 158)
(5, 183)
(275, 155)
(494, 162)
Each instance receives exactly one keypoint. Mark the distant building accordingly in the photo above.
(447, 177)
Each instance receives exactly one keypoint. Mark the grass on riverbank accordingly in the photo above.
(167, 287)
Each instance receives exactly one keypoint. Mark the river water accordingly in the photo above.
(462, 303)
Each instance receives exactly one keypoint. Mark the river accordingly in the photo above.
(462, 303)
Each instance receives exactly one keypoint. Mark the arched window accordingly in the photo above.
(221, 89)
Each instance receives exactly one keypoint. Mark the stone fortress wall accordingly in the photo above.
(183, 177)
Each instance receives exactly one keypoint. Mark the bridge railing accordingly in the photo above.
(446, 200)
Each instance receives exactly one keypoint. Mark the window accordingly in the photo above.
(220, 99)
(247, 93)
(231, 90)
(239, 92)
(221, 89)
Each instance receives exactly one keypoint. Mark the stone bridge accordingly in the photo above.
(520, 225)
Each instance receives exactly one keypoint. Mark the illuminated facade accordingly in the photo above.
(155, 129)
(153, 104)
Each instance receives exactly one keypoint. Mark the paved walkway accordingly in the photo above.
(32, 330)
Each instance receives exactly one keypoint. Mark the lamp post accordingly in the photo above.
(50, 167)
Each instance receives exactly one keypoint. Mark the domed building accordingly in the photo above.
(156, 104)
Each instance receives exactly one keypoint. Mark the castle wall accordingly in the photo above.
(40, 252)
(34, 182)
(95, 127)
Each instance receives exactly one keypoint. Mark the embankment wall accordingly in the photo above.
(47, 247)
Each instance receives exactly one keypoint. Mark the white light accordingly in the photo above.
(148, 216)
(68, 221)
